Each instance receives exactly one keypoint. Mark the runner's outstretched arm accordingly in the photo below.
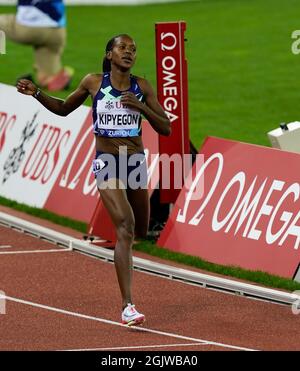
(58, 106)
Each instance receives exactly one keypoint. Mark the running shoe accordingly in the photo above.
(131, 317)
(62, 80)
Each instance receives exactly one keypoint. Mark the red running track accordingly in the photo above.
(66, 300)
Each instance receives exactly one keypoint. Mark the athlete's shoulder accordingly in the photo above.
(140, 80)
(91, 79)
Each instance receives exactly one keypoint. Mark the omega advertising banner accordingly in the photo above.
(172, 93)
(247, 213)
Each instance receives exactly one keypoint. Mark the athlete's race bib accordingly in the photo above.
(98, 165)
(115, 120)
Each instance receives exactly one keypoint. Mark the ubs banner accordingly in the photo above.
(34, 144)
(248, 213)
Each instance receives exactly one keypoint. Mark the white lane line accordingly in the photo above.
(5, 246)
(143, 329)
(136, 347)
(34, 251)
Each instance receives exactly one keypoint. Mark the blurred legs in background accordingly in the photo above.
(48, 45)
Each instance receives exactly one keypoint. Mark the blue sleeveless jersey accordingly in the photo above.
(112, 119)
(54, 9)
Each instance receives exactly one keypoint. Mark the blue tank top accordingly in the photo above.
(112, 119)
(41, 13)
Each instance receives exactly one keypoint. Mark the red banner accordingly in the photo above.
(172, 93)
(248, 214)
(75, 193)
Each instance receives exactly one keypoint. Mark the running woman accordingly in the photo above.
(119, 100)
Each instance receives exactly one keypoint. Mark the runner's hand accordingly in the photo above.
(130, 100)
(26, 87)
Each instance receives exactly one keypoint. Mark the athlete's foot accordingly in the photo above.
(131, 317)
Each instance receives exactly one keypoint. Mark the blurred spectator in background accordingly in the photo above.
(42, 25)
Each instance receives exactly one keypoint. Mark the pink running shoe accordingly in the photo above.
(62, 80)
(131, 317)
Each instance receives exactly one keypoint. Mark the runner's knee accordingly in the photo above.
(125, 229)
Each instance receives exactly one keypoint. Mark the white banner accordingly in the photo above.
(34, 144)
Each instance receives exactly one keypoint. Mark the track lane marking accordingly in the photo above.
(135, 347)
(143, 329)
(34, 251)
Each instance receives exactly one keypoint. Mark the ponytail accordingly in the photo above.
(106, 65)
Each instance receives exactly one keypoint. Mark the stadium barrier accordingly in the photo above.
(248, 215)
(286, 137)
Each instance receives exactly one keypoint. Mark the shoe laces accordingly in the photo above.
(131, 308)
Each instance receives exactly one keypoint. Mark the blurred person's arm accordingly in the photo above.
(58, 106)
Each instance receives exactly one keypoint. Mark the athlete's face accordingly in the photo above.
(123, 53)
